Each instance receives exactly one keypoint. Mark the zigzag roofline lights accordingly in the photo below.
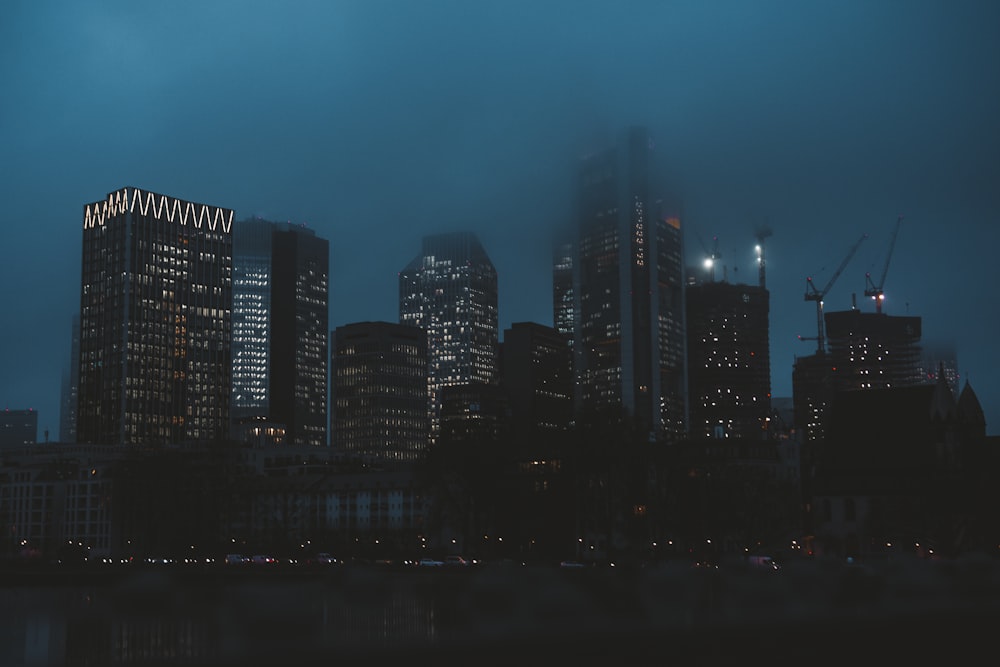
(161, 206)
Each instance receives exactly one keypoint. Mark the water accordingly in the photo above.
(367, 614)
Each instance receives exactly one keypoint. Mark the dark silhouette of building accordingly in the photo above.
(812, 394)
(474, 414)
(628, 291)
(18, 427)
(280, 331)
(905, 469)
(379, 391)
(537, 376)
(70, 387)
(729, 361)
(155, 300)
(450, 291)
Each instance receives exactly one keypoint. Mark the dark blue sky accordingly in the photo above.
(376, 122)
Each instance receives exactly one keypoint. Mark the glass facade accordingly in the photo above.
(280, 329)
(156, 292)
(628, 278)
(379, 391)
(450, 291)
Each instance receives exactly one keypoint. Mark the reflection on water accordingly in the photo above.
(155, 617)
(355, 615)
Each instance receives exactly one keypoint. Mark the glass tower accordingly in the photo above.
(450, 291)
(280, 316)
(628, 292)
(155, 304)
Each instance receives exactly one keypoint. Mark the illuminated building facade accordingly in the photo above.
(450, 291)
(562, 287)
(628, 292)
(155, 299)
(729, 361)
(379, 391)
(280, 328)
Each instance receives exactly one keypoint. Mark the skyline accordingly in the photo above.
(376, 124)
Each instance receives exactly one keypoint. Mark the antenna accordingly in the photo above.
(812, 294)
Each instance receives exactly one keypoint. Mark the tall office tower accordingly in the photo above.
(70, 387)
(536, 363)
(379, 391)
(562, 286)
(450, 291)
(280, 330)
(155, 303)
(873, 350)
(729, 361)
(628, 287)
(18, 428)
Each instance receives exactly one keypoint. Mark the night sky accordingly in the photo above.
(377, 122)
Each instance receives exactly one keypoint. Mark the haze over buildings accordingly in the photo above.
(376, 124)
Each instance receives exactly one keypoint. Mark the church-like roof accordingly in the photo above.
(969, 409)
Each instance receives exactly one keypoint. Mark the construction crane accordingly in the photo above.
(710, 255)
(873, 290)
(812, 294)
(762, 233)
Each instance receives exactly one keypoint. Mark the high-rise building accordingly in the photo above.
(450, 291)
(155, 300)
(628, 291)
(729, 361)
(873, 350)
(379, 391)
(280, 330)
(70, 387)
(536, 372)
(562, 286)
(18, 427)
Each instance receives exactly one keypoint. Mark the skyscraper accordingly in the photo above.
(628, 288)
(378, 406)
(729, 361)
(155, 302)
(450, 291)
(280, 331)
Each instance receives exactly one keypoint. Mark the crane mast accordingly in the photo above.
(873, 290)
(762, 234)
(812, 294)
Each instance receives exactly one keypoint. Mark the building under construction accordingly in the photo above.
(873, 350)
(729, 363)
